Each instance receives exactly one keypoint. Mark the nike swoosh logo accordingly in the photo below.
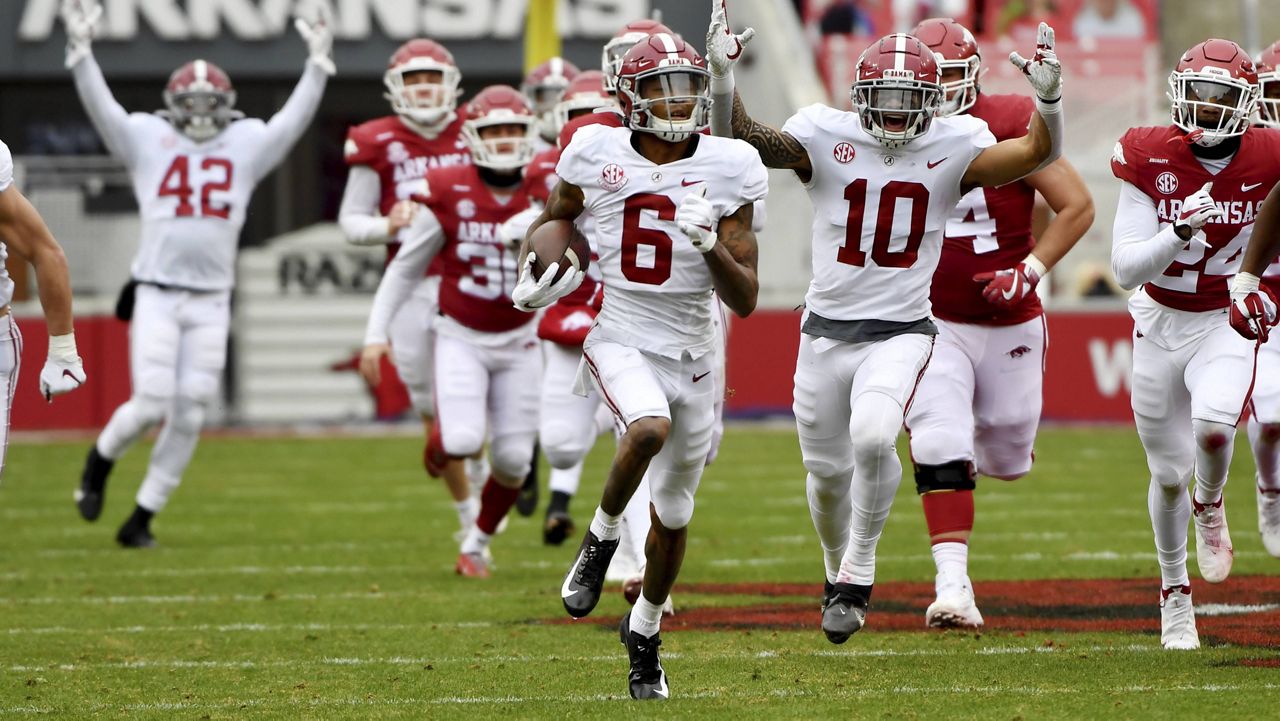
(1246, 188)
(662, 689)
(700, 377)
(936, 163)
(687, 183)
(67, 374)
(565, 591)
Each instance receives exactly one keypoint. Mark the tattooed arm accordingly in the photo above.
(733, 262)
(777, 149)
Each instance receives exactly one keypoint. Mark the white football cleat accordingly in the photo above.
(1269, 520)
(1178, 620)
(955, 606)
(1213, 542)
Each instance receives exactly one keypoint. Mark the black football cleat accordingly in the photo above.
(93, 485)
(646, 680)
(557, 527)
(134, 536)
(527, 501)
(585, 580)
(844, 610)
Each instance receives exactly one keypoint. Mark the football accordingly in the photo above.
(558, 241)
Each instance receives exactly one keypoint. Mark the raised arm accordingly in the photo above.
(291, 121)
(724, 49)
(777, 149)
(1016, 158)
(108, 117)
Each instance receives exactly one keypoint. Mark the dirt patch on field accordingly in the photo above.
(1243, 611)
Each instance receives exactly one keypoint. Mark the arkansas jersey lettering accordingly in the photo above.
(478, 270)
(990, 229)
(1197, 279)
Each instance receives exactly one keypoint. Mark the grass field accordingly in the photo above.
(312, 579)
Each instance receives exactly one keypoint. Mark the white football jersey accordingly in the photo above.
(879, 214)
(6, 181)
(657, 285)
(193, 196)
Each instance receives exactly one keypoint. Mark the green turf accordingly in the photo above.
(313, 579)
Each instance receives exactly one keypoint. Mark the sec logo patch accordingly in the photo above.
(843, 153)
(1167, 183)
(466, 208)
(613, 177)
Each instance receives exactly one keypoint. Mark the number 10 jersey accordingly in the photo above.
(879, 213)
(657, 287)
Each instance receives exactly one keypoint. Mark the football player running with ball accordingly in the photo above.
(978, 404)
(883, 179)
(1189, 195)
(194, 167)
(673, 212)
(487, 363)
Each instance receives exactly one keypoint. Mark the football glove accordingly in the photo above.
(63, 371)
(1043, 70)
(530, 295)
(1253, 308)
(81, 19)
(697, 218)
(1008, 286)
(724, 48)
(318, 35)
(1197, 210)
(512, 231)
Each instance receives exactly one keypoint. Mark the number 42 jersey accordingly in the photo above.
(879, 213)
(657, 285)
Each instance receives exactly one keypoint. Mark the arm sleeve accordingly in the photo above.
(722, 105)
(423, 240)
(107, 116)
(358, 215)
(287, 125)
(1052, 115)
(1140, 250)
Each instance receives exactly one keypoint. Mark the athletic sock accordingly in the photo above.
(948, 512)
(606, 527)
(495, 501)
(466, 512)
(559, 502)
(141, 518)
(476, 541)
(646, 617)
(1170, 511)
(951, 558)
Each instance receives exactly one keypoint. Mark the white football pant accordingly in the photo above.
(850, 399)
(1186, 403)
(177, 351)
(483, 387)
(639, 385)
(413, 343)
(980, 398)
(10, 363)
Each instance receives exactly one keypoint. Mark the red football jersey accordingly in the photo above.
(540, 174)
(401, 158)
(478, 272)
(1160, 164)
(989, 230)
(610, 117)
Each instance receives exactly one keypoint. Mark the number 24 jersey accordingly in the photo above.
(879, 213)
(657, 284)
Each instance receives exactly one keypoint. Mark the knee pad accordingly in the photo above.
(953, 476)
(460, 442)
(1212, 436)
(562, 445)
(151, 409)
(875, 421)
(511, 456)
(824, 466)
(187, 416)
(674, 507)
(1269, 432)
(199, 387)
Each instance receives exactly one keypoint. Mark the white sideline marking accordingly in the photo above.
(419, 661)
(242, 628)
(1233, 609)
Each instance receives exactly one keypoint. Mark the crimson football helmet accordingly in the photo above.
(621, 42)
(499, 105)
(1268, 67)
(200, 100)
(1213, 91)
(661, 79)
(896, 90)
(427, 104)
(584, 95)
(544, 87)
(954, 47)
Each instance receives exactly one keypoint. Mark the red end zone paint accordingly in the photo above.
(1091, 605)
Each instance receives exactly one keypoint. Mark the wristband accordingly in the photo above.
(1036, 265)
(1048, 107)
(1244, 282)
(722, 86)
(63, 348)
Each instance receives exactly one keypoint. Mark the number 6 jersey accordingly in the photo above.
(879, 215)
(193, 196)
(657, 285)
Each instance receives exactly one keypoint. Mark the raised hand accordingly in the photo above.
(318, 34)
(81, 19)
(1043, 70)
(724, 48)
